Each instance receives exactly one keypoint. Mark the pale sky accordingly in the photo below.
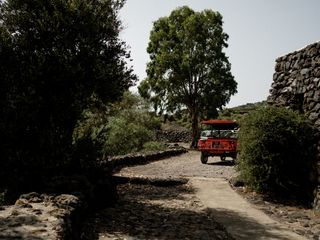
(259, 32)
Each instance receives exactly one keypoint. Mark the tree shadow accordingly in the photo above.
(151, 192)
(139, 215)
(155, 181)
(13, 227)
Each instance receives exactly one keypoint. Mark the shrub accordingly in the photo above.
(119, 129)
(277, 152)
(126, 135)
(154, 146)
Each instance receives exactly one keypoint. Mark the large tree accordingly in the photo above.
(188, 67)
(54, 56)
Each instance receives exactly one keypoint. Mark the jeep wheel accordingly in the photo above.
(223, 158)
(204, 158)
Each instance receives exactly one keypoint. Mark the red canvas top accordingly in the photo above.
(229, 124)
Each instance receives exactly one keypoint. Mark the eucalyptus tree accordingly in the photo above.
(188, 67)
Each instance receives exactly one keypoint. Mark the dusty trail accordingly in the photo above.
(204, 208)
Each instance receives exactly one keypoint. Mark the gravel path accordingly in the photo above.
(185, 165)
(153, 212)
(150, 212)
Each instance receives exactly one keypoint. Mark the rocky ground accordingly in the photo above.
(38, 216)
(150, 212)
(299, 219)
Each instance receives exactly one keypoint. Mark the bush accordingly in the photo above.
(119, 129)
(277, 152)
(125, 136)
(154, 146)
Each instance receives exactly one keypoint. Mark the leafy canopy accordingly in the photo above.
(54, 56)
(188, 67)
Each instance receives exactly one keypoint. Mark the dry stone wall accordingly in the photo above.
(40, 216)
(117, 162)
(59, 216)
(296, 81)
(173, 136)
(296, 84)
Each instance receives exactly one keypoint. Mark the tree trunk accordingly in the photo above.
(195, 129)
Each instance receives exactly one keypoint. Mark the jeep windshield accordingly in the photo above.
(219, 129)
(218, 134)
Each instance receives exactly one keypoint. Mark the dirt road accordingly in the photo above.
(186, 165)
(204, 208)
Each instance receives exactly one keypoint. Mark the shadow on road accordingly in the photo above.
(148, 212)
(222, 163)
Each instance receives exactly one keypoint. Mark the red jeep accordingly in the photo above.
(220, 139)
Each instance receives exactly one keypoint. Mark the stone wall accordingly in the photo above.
(40, 216)
(56, 216)
(173, 136)
(296, 84)
(117, 162)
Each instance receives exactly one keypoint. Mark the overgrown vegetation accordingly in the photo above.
(55, 56)
(123, 127)
(237, 113)
(277, 152)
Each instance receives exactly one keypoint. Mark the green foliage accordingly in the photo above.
(125, 127)
(188, 67)
(154, 146)
(55, 55)
(125, 135)
(237, 113)
(277, 151)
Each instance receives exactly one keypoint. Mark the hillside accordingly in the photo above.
(238, 112)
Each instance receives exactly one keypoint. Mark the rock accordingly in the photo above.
(316, 95)
(23, 203)
(304, 71)
(174, 136)
(316, 108)
(296, 215)
(236, 181)
(313, 116)
(32, 197)
(36, 216)
(66, 200)
(309, 94)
